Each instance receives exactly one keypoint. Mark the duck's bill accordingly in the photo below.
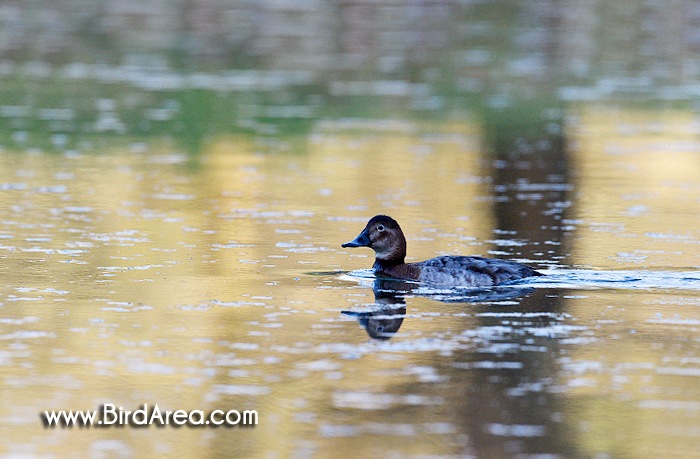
(360, 241)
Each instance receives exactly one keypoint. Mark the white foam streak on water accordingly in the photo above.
(579, 279)
(594, 279)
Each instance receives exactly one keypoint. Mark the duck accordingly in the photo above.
(384, 235)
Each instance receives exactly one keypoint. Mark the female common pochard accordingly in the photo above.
(383, 235)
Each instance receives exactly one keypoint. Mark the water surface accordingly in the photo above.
(138, 274)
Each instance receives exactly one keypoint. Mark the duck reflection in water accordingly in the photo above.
(389, 312)
(390, 309)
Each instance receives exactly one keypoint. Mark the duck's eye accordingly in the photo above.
(380, 228)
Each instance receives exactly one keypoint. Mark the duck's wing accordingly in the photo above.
(478, 270)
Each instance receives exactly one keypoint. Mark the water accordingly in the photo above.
(143, 275)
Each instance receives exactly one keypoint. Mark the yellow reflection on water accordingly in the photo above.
(637, 206)
(636, 176)
(139, 277)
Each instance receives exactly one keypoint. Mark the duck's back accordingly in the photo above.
(471, 271)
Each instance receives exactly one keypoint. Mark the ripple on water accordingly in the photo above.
(219, 390)
(129, 268)
(20, 321)
(173, 196)
(380, 401)
(379, 428)
(27, 334)
(676, 405)
(125, 306)
(516, 430)
(237, 304)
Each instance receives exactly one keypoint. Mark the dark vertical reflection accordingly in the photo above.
(510, 406)
(529, 168)
(511, 410)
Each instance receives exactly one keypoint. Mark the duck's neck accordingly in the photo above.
(391, 255)
(381, 264)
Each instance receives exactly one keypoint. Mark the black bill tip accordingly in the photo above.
(360, 241)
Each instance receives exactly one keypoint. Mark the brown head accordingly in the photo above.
(383, 235)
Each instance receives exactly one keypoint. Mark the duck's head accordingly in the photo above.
(383, 235)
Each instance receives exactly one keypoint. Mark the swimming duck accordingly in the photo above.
(383, 235)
